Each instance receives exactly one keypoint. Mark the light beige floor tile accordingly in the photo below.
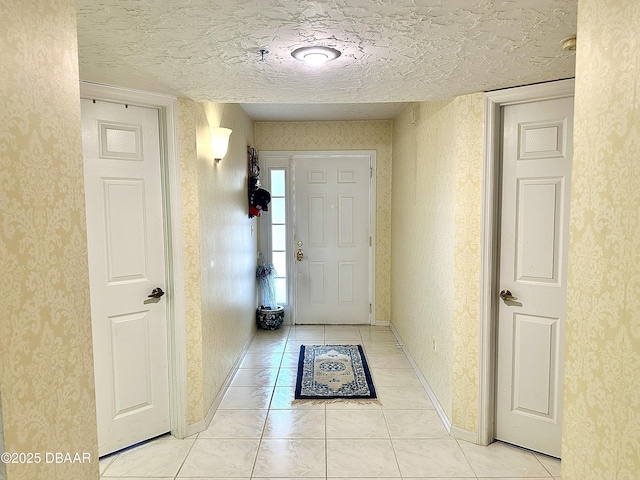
(261, 360)
(266, 346)
(553, 465)
(157, 458)
(404, 398)
(395, 360)
(141, 478)
(361, 404)
(287, 377)
(293, 346)
(356, 424)
(243, 398)
(431, 458)
(284, 399)
(104, 462)
(519, 478)
(295, 424)
(255, 377)
(370, 457)
(307, 333)
(290, 458)
(290, 360)
(236, 424)
(415, 424)
(376, 348)
(226, 458)
(502, 460)
(398, 377)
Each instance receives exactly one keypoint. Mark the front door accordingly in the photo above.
(122, 164)
(332, 238)
(536, 180)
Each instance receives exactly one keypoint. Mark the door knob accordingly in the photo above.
(156, 293)
(299, 255)
(506, 296)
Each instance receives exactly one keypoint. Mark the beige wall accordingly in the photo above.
(602, 374)
(46, 364)
(437, 166)
(356, 135)
(220, 249)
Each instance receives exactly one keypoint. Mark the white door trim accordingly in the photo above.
(265, 163)
(493, 103)
(168, 110)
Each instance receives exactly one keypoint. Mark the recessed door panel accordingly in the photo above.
(317, 220)
(539, 230)
(535, 361)
(125, 222)
(132, 362)
(345, 220)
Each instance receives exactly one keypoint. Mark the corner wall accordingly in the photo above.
(601, 436)
(46, 359)
(219, 249)
(435, 265)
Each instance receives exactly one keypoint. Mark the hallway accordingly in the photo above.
(258, 433)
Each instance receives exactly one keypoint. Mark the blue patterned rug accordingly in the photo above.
(333, 371)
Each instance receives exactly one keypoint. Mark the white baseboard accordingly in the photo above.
(203, 424)
(462, 434)
(454, 431)
(382, 323)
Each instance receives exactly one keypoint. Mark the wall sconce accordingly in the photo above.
(220, 142)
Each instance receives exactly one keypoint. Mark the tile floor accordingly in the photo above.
(258, 433)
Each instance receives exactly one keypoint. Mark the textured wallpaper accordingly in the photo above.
(601, 437)
(466, 277)
(189, 115)
(46, 364)
(354, 135)
(220, 249)
(437, 166)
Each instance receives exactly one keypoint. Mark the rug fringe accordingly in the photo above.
(320, 401)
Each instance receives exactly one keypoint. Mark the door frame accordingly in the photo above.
(489, 237)
(275, 159)
(172, 212)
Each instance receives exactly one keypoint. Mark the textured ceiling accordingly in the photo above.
(393, 51)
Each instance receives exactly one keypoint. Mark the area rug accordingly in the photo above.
(328, 372)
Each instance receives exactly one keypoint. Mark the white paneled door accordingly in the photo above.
(332, 238)
(536, 179)
(122, 164)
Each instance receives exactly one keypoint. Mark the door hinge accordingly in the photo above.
(371, 241)
(370, 308)
(370, 172)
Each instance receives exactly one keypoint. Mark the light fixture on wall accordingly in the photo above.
(316, 56)
(220, 142)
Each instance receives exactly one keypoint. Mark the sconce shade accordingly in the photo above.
(220, 142)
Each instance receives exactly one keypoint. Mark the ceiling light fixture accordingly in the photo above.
(316, 56)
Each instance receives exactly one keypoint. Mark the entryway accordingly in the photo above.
(319, 234)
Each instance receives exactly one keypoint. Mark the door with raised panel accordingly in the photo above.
(536, 180)
(332, 238)
(125, 230)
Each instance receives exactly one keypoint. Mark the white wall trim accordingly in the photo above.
(493, 103)
(203, 424)
(432, 396)
(168, 108)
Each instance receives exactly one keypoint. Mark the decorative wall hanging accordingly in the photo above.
(259, 198)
